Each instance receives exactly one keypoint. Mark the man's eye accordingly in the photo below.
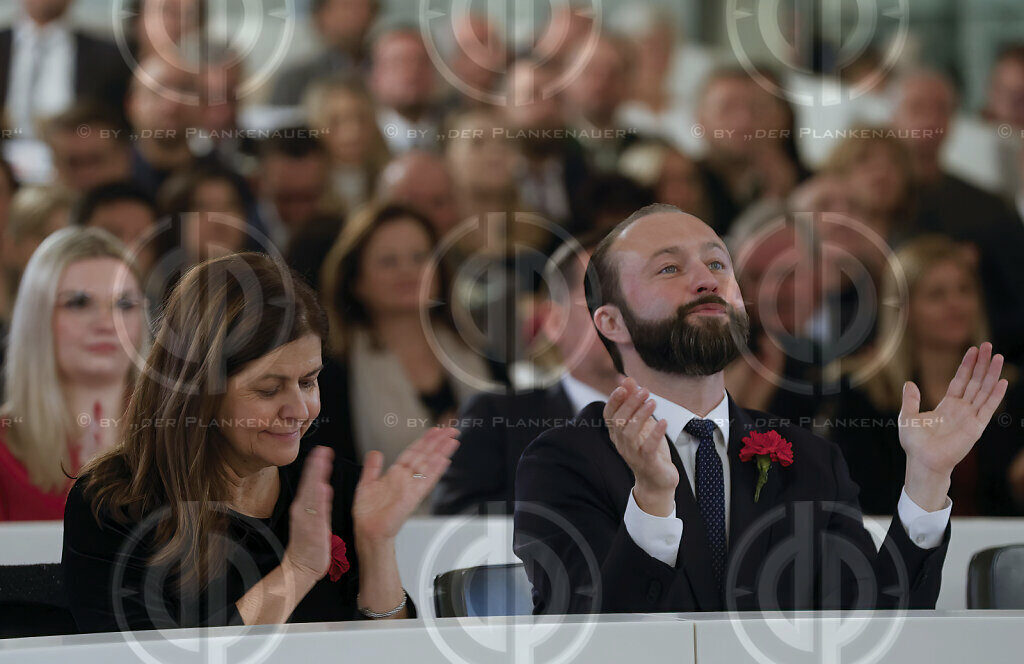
(668, 269)
(268, 393)
(720, 265)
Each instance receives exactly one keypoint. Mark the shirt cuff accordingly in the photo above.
(658, 536)
(925, 529)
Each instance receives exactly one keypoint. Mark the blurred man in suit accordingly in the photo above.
(496, 428)
(45, 65)
(343, 26)
(404, 84)
(421, 180)
(90, 146)
(645, 503)
(946, 204)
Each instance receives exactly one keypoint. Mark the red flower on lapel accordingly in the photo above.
(768, 448)
(339, 563)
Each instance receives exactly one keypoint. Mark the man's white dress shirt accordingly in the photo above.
(580, 394)
(42, 73)
(660, 537)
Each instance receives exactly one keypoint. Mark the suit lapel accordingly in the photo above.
(743, 511)
(693, 553)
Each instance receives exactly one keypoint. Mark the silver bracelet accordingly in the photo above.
(387, 614)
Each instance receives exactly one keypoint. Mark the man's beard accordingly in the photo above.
(673, 345)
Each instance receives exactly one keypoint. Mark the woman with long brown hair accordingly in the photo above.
(201, 515)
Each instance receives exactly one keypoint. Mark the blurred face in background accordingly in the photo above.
(160, 102)
(162, 24)
(217, 225)
(403, 77)
(728, 112)
(44, 11)
(482, 161)
(877, 181)
(219, 108)
(343, 24)
(1006, 92)
(97, 299)
(392, 268)
(945, 307)
(926, 106)
(130, 222)
(823, 193)
(421, 181)
(85, 162)
(654, 51)
(775, 277)
(295, 186)
(479, 52)
(602, 83)
(349, 120)
(527, 107)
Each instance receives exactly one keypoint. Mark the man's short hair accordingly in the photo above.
(293, 143)
(602, 282)
(1011, 53)
(87, 114)
(124, 191)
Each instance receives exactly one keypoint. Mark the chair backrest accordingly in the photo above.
(995, 578)
(33, 602)
(487, 590)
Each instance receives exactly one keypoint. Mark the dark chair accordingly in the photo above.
(488, 590)
(32, 601)
(995, 578)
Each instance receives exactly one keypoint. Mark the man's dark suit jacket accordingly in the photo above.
(494, 431)
(571, 493)
(101, 73)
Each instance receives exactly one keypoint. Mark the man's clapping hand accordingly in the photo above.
(640, 440)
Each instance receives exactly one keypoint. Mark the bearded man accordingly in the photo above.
(650, 502)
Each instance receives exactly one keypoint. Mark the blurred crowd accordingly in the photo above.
(443, 201)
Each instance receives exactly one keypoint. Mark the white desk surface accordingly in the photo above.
(612, 639)
(935, 637)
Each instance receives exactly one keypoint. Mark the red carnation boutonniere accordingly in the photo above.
(769, 448)
(339, 563)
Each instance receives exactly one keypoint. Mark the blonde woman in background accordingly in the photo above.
(944, 317)
(78, 323)
(358, 152)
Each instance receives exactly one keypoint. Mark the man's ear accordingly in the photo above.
(608, 320)
(550, 320)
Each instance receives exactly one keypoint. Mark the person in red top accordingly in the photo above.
(77, 325)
